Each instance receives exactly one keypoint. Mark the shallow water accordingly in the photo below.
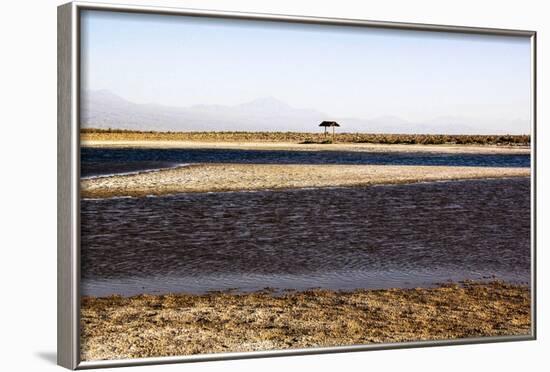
(104, 161)
(339, 238)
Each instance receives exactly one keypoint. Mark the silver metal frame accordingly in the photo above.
(68, 176)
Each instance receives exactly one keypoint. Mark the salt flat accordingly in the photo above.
(246, 177)
(292, 146)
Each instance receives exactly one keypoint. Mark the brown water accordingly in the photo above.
(340, 238)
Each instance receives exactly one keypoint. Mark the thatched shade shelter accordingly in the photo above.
(327, 124)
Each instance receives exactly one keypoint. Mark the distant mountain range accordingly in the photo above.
(104, 109)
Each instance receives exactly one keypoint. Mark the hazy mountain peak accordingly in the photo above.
(104, 95)
(266, 103)
(104, 109)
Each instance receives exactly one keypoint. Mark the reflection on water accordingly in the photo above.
(341, 238)
(101, 161)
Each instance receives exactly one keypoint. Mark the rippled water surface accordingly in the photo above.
(340, 238)
(104, 161)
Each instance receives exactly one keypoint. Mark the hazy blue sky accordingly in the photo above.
(341, 71)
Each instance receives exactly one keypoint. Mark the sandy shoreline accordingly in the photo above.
(292, 146)
(242, 177)
(163, 325)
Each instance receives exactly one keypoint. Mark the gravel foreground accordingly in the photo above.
(243, 177)
(183, 324)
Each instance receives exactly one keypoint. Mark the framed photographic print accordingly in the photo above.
(236, 185)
